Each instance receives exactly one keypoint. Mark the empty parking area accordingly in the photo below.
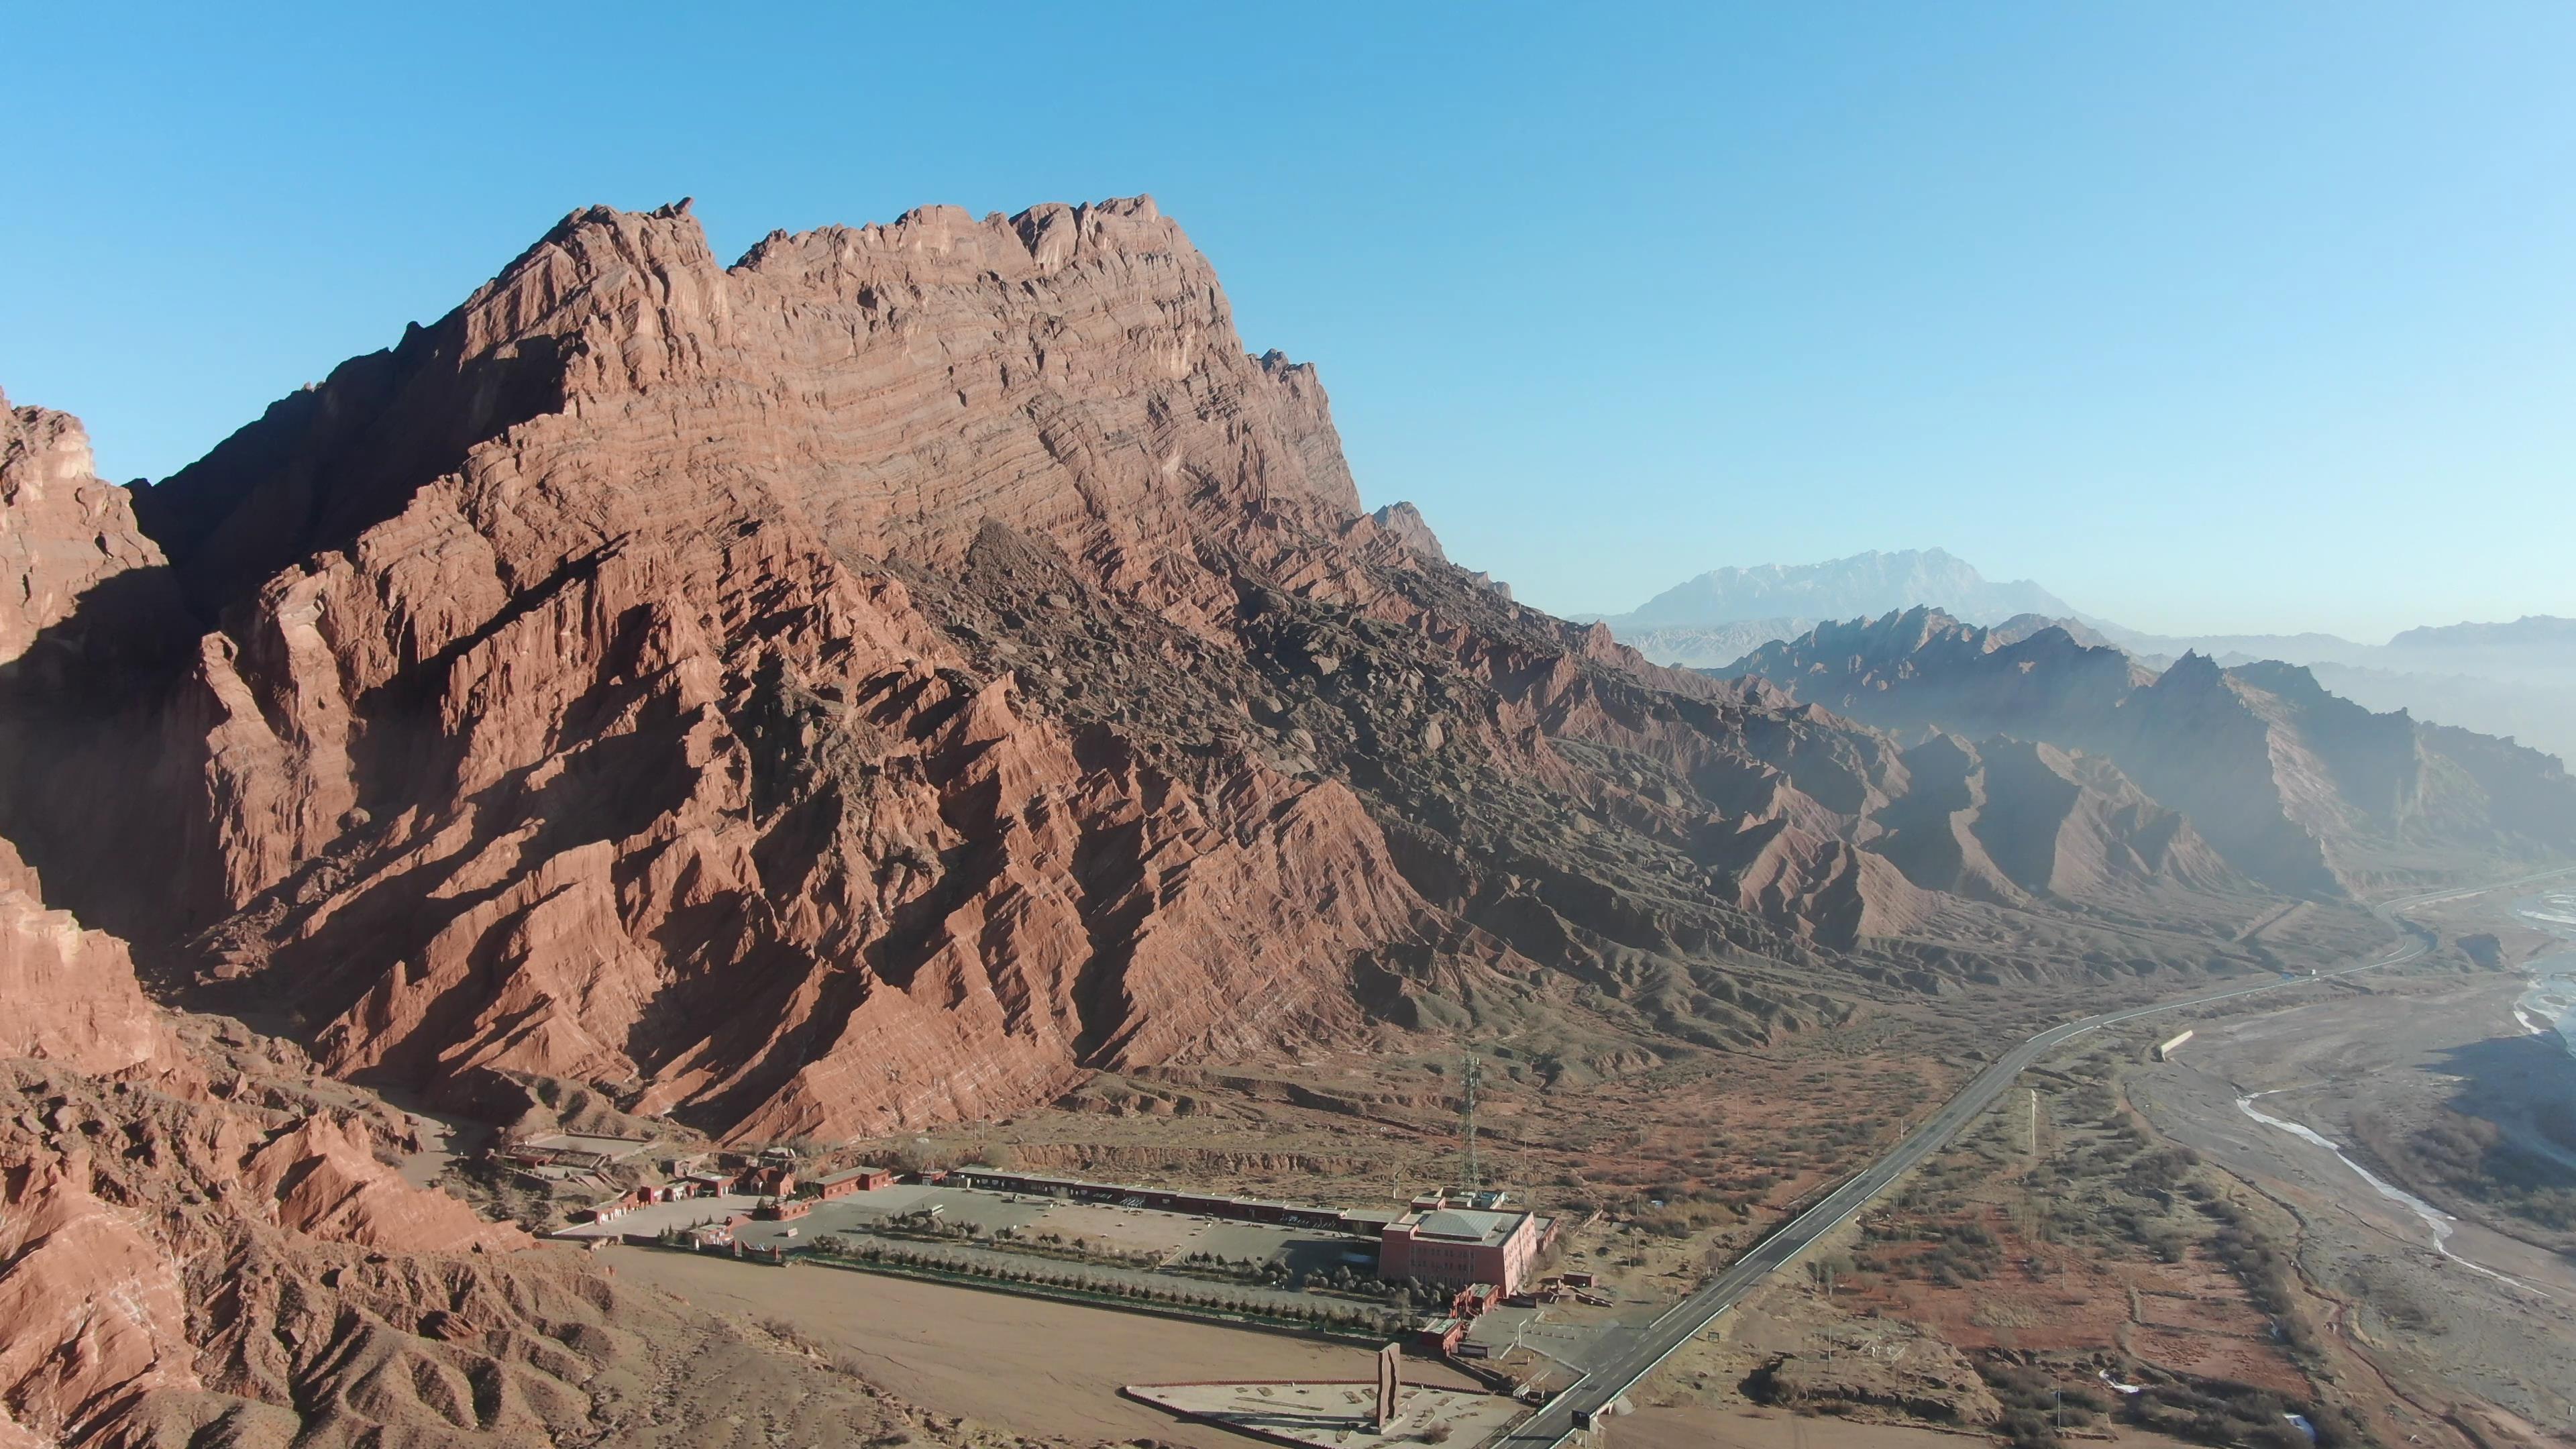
(1100, 1232)
(1099, 1227)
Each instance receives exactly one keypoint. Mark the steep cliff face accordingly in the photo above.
(882, 680)
(811, 696)
(568, 714)
(68, 995)
(66, 533)
(2298, 790)
(90, 619)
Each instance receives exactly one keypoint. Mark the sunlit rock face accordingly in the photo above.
(880, 681)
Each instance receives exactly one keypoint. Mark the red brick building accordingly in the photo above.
(857, 1179)
(1474, 1299)
(1460, 1246)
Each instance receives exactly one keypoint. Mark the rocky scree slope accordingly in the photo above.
(2291, 786)
(884, 679)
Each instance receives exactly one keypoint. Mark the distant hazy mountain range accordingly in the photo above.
(1864, 584)
(2516, 680)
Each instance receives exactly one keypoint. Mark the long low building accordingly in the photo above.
(856, 1179)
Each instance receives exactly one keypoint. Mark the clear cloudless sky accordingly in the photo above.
(2206, 315)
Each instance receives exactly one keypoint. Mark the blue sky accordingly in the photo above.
(2206, 316)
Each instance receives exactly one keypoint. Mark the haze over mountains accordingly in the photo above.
(2300, 790)
(895, 676)
(1865, 583)
(2515, 679)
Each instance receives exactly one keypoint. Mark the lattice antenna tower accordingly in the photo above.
(1473, 1075)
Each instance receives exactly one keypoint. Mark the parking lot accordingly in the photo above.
(1101, 1226)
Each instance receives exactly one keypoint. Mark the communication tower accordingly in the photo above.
(1473, 1074)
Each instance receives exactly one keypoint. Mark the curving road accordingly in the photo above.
(1624, 1356)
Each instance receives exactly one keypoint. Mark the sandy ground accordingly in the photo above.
(1023, 1364)
(1707, 1428)
(1338, 1415)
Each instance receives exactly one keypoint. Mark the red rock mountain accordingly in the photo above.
(884, 679)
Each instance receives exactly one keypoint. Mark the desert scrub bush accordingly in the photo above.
(2220, 1413)
(2029, 1429)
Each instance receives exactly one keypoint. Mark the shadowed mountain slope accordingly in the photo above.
(2300, 790)
(890, 677)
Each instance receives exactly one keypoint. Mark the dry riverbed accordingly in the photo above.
(2469, 1321)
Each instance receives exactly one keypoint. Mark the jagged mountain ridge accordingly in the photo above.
(1715, 648)
(2514, 680)
(2555, 637)
(2300, 790)
(885, 679)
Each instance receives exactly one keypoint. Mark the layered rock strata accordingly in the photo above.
(890, 677)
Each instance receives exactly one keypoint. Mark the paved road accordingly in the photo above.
(1624, 1356)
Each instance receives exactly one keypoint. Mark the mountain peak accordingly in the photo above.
(1087, 347)
(1866, 584)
